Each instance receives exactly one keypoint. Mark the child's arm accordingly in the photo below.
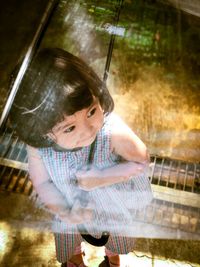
(50, 195)
(125, 143)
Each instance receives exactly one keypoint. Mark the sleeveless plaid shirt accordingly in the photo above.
(115, 205)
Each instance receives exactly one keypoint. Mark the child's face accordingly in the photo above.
(79, 129)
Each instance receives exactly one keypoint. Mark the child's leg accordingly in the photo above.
(66, 245)
(120, 244)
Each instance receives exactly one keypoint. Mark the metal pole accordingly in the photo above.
(111, 44)
(28, 57)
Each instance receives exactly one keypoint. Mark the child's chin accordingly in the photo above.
(88, 142)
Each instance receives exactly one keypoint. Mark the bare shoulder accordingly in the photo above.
(33, 152)
(37, 170)
(125, 142)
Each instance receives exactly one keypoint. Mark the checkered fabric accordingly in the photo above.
(115, 205)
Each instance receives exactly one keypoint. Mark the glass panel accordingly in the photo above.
(81, 27)
(154, 80)
(155, 76)
(19, 21)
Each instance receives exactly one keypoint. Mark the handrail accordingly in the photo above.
(28, 57)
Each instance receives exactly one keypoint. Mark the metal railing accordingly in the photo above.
(175, 184)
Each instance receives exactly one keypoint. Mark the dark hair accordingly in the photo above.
(55, 83)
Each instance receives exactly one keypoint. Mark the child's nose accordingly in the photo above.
(88, 126)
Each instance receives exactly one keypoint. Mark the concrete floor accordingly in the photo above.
(26, 240)
(28, 247)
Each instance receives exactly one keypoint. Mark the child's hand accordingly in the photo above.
(89, 179)
(77, 214)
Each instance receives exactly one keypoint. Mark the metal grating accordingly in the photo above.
(176, 203)
(176, 174)
(171, 215)
(166, 173)
(13, 164)
(14, 180)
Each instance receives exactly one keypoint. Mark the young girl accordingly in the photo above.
(63, 112)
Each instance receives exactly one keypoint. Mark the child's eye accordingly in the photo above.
(91, 112)
(70, 129)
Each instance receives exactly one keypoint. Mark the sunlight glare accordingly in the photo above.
(3, 237)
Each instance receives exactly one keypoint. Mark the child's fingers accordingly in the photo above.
(86, 213)
(78, 208)
(80, 174)
(83, 183)
(87, 184)
(79, 214)
(78, 217)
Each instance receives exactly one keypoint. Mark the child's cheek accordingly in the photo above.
(101, 120)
